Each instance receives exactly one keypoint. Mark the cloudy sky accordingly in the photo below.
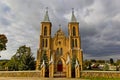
(99, 24)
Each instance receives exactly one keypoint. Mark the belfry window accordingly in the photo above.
(45, 31)
(75, 42)
(74, 33)
(46, 43)
(42, 42)
(72, 43)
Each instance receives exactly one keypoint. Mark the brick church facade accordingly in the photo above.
(60, 54)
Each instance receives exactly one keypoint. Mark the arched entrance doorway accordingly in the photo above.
(59, 66)
(60, 69)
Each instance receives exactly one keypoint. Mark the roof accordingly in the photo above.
(73, 18)
(46, 17)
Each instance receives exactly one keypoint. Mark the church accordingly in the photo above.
(59, 55)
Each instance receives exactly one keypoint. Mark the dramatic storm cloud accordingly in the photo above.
(99, 24)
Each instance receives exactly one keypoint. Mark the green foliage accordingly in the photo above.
(13, 64)
(3, 66)
(73, 62)
(45, 58)
(87, 64)
(118, 62)
(106, 67)
(111, 61)
(3, 41)
(101, 61)
(93, 60)
(22, 60)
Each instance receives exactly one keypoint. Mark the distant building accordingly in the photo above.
(60, 49)
(112, 68)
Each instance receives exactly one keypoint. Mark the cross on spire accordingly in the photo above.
(59, 26)
(46, 9)
(72, 10)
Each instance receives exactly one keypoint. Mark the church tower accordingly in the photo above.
(74, 39)
(45, 36)
(45, 39)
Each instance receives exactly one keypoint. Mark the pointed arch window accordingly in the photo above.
(46, 43)
(61, 50)
(75, 42)
(42, 42)
(72, 43)
(74, 31)
(57, 50)
(45, 31)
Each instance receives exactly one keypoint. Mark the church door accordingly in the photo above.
(59, 66)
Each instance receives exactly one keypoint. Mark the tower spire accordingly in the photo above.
(46, 17)
(73, 18)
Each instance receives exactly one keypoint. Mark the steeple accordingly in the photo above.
(73, 18)
(46, 17)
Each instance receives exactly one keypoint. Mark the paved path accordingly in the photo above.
(37, 78)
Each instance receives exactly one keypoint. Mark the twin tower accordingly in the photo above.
(60, 55)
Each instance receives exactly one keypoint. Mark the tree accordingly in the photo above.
(3, 41)
(101, 61)
(87, 64)
(118, 62)
(73, 66)
(13, 64)
(106, 67)
(93, 60)
(3, 66)
(111, 61)
(45, 58)
(73, 62)
(22, 60)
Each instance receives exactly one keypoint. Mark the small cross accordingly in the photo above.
(59, 26)
(47, 9)
(72, 10)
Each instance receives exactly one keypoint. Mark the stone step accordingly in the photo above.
(59, 74)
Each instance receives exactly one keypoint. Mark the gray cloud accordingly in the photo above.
(99, 24)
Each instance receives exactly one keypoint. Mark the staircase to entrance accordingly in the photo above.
(60, 74)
